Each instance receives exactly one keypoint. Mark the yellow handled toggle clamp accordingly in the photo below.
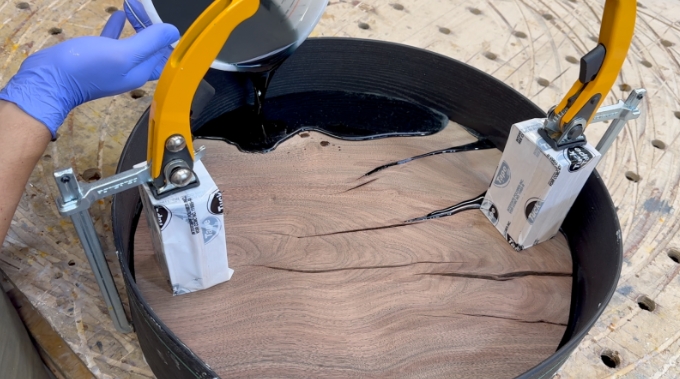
(567, 121)
(170, 152)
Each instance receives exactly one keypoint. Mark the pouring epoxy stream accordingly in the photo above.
(547, 161)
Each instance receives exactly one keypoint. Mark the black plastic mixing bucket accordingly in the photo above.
(466, 95)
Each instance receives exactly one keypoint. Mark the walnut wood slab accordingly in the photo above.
(330, 282)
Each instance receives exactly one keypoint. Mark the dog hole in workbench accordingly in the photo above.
(475, 11)
(519, 34)
(491, 56)
(674, 255)
(633, 177)
(55, 31)
(398, 6)
(71, 262)
(444, 30)
(547, 16)
(571, 59)
(594, 38)
(666, 43)
(624, 87)
(677, 114)
(645, 63)
(645, 303)
(23, 5)
(92, 174)
(363, 25)
(611, 358)
(543, 82)
(137, 93)
(658, 144)
(111, 9)
(640, 5)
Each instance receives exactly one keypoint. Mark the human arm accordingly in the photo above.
(22, 141)
(53, 81)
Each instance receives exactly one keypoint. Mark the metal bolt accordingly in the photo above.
(575, 131)
(175, 143)
(181, 177)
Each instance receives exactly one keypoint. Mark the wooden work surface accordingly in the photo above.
(532, 45)
(330, 281)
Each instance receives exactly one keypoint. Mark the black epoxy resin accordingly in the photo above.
(350, 116)
(340, 114)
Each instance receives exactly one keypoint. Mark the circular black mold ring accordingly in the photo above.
(466, 95)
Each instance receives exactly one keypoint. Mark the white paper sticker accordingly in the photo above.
(188, 234)
(535, 186)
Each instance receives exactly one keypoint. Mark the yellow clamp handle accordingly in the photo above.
(616, 34)
(195, 52)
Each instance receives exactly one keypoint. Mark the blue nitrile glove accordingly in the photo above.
(139, 19)
(53, 81)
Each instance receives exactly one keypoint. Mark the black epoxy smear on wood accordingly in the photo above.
(339, 114)
(475, 203)
(482, 144)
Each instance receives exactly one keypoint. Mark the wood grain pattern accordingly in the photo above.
(535, 46)
(329, 281)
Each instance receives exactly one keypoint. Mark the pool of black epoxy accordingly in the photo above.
(339, 114)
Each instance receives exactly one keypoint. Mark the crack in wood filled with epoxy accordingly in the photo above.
(474, 203)
(482, 144)
(466, 205)
(360, 185)
(449, 211)
(499, 277)
(497, 317)
(301, 271)
(357, 230)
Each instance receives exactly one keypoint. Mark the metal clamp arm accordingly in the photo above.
(76, 197)
(620, 113)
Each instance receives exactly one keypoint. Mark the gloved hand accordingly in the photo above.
(53, 81)
(139, 19)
